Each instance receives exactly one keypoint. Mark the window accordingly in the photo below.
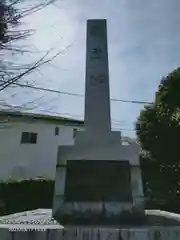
(74, 132)
(28, 137)
(56, 131)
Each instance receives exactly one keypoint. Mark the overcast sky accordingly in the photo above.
(143, 42)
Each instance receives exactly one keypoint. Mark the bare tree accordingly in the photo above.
(11, 14)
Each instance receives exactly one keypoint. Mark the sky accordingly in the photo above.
(143, 44)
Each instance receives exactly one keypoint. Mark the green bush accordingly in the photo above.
(18, 196)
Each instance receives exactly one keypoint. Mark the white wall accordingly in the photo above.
(31, 160)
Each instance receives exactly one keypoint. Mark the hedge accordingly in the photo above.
(25, 195)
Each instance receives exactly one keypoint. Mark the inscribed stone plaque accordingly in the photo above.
(98, 180)
(96, 53)
(96, 31)
(96, 79)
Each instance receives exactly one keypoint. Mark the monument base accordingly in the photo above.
(97, 214)
(96, 192)
(123, 219)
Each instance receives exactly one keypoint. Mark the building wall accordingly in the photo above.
(31, 160)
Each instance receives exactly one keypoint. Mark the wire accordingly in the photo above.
(81, 118)
(76, 94)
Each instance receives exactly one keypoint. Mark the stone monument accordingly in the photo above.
(98, 180)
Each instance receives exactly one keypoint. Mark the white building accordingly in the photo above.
(29, 143)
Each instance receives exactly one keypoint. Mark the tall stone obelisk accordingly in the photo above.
(97, 178)
(97, 96)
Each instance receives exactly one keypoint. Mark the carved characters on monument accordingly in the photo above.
(95, 31)
(96, 79)
(96, 53)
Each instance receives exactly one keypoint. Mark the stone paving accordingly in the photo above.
(39, 225)
(39, 218)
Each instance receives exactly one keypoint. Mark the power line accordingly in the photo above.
(76, 94)
(81, 117)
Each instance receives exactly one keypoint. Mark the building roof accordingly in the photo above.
(37, 116)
